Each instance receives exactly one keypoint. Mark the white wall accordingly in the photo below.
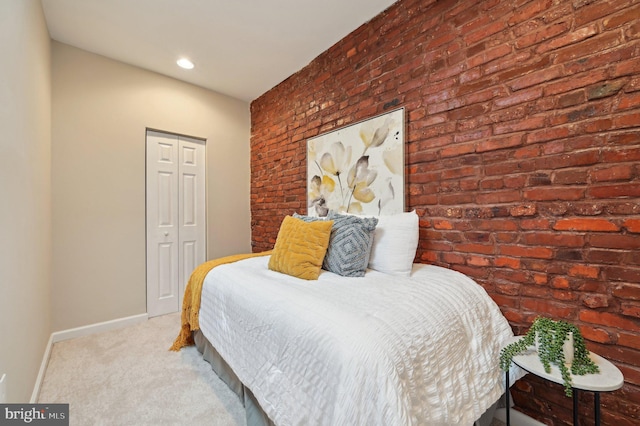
(101, 109)
(25, 193)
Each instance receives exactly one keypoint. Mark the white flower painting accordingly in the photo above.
(358, 169)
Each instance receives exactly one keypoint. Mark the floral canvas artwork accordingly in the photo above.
(359, 168)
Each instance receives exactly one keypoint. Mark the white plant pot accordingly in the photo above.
(567, 348)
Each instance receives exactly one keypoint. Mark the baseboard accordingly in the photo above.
(517, 418)
(86, 330)
(43, 368)
(73, 333)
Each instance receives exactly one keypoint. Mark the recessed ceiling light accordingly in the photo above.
(185, 63)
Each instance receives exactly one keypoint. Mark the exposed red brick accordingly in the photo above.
(595, 334)
(534, 252)
(615, 191)
(596, 301)
(522, 151)
(560, 282)
(584, 271)
(627, 291)
(585, 224)
(629, 340)
(608, 319)
(507, 262)
(630, 309)
(628, 242)
(632, 225)
(553, 309)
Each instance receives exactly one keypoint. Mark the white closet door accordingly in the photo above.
(191, 208)
(175, 218)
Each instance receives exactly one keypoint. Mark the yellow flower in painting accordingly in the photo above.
(319, 190)
(374, 137)
(356, 208)
(328, 184)
(359, 179)
(363, 193)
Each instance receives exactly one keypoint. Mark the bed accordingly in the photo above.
(413, 345)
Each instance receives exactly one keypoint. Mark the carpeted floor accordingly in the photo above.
(129, 377)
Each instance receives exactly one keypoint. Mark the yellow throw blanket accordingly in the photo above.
(192, 293)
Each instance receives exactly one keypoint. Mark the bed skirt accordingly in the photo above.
(254, 414)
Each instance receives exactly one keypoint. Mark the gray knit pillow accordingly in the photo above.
(350, 244)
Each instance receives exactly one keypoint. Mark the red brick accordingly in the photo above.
(627, 291)
(575, 82)
(496, 197)
(453, 258)
(486, 31)
(622, 273)
(534, 79)
(587, 224)
(614, 191)
(629, 340)
(596, 10)
(632, 225)
(584, 271)
(608, 319)
(627, 120)
(523, 210)
(442, 224)
(542, 34)
(564, 295)
(546, 307)
(535, 291)
(507, 262)
(478, 261)
(544, 135)
(619, 172)
(559, 282)
(595, 334)
(531, 224)
(629, 309)
(519, 251)
(595, 301)
(520, 96)
(553, 193)
(499, 143)
(628, 67)
(519, 125)
(553, 239)
(629, 101)
(570, 39)
(475, 248)
(624, 242)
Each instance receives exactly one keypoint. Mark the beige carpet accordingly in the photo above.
(128, 377)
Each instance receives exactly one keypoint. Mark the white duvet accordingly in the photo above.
(378, 350)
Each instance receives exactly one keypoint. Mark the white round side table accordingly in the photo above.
(608, 379)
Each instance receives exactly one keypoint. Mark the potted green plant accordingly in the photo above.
(549, 336)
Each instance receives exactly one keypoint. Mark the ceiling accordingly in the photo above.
(241, 48)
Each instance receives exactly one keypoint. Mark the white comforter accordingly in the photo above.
(379, 350)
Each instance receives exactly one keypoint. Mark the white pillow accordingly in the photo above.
(395, 243)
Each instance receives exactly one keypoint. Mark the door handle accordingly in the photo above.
(166, 233)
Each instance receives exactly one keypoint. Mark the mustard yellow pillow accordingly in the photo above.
(300, 247)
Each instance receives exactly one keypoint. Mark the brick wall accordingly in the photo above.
(523, 140)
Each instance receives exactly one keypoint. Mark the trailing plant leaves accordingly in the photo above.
(551, 336)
